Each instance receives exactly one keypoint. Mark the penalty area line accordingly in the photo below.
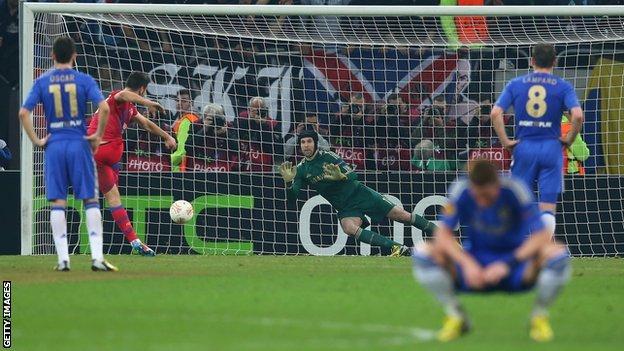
(403, 334)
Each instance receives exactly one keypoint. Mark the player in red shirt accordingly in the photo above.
(108, 155)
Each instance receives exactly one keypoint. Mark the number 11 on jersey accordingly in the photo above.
(55, 89)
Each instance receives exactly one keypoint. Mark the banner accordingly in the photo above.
(604, 108)
(312, 82)
(241, 213)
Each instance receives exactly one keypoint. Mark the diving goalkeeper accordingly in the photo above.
(332, 178)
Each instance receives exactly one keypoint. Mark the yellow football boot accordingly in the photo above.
(453, 328)
(540, 329)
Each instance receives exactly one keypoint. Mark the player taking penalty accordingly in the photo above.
(333, 179)
(539, 99)
(68, 158)
(506, 247)
(108, 156)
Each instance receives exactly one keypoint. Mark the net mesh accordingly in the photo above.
(394, 96)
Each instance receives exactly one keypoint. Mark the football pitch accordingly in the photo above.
(286, 303)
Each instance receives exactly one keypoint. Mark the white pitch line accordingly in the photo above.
(407, 334)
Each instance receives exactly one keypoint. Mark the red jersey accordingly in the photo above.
(121, 114)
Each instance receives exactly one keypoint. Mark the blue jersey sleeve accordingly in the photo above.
(506, 98)
(451, 214)
(93, 91)
(34, 97)
(570, 99)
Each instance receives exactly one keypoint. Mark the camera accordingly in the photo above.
(263, 112)
(392, 109)
(434, 111)
(486, 109)
(219, 121)
(354, 109)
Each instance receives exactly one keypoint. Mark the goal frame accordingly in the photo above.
(27, 27)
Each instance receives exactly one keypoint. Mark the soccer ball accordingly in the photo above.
(181, 211)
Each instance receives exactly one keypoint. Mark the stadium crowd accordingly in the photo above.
(389, 136)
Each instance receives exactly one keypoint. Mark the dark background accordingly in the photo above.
(10, 219)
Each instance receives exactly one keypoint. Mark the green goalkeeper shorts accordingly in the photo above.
(366, 202)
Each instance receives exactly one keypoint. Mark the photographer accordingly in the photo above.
(480, 132)
(393, 124)
(311, 123)
(185, 119)
(5, 155)
(354, 126)
(258, 130)
(210, 139)
(436, 147)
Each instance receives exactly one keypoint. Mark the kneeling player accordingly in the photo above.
(329, 175)
(108, 155)
(498, 255)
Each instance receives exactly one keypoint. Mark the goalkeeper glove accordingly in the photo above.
(333, 172)
(288, 171)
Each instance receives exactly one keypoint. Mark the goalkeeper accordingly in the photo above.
(329, 175)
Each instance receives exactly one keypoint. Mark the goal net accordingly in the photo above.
(402, 94)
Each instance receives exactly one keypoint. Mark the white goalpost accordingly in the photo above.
(400, 92)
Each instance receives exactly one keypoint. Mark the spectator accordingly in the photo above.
(354, 126)
(428, 156)
(185, 118)
(211, 141)
(480, 133)
(257, 129)
(437, 143)
(310, 120)
(9, 37)
(575, 154)
(393, 124)
(5, 155)
(311, 123)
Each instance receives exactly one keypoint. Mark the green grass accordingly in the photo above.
(286, 303)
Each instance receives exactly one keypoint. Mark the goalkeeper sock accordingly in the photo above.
(59, 232)
(554, 275)
(549, 221)
(437, 280)
(370, 237)
(423, 224)
(120, 215)
(94, 227)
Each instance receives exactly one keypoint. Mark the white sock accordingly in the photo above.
(59, 232)
(94, 227)
(438, 281)
(549, 220)
(553, 277)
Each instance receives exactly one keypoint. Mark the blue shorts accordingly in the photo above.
(511, 283)
(540, 161)
(70, 162)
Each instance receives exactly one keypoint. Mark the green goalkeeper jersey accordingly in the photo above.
(310, 173)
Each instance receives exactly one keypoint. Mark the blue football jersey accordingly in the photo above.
(64, 94)
(539, 100)
(501, 227)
